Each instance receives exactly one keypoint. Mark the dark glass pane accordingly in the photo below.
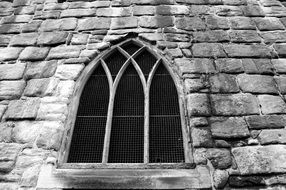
(165, 132)
(127, 132)
(87, 140)
(114, 62)
(165, 139)
(127, 140)
(95, 96)
(146, 61)
(89, 130)
(130, 48)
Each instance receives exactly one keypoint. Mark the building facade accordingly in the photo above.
(225, 63)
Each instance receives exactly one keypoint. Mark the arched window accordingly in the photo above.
(129, 111)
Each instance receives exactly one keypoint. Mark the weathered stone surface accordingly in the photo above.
(9, 53)
(143, 10)
(211, 36)
(11, 89)
(114, 12)
(266, 121)
(190, 23)
(152, 36)
(195, 85)
(257, 66)
(272, 104)
(257, 83)
(260, 159)
(220, 178)
(79, 39)
(43, 69)
(198, 122)
(198, 105)
(10, 28)
(8, 155)
(93, 23)
(2, 110)
(208, 50)
(52, 38)
(5, 39)
(59, 24)
(12, 71)
(64, 52)
(41, 87)
(280, 49)
(240, 50)
(30, 176)
(6, 131)
(251, 181)
(226, 10)
(172, 10)
(220, 158)
(242, 23)
(223, 83)
(268, 23)
(195, 65)
(9, 186)
(229, 65)
(31, 26)
(124, 22)
(245, 36)
(16, 19)
(232, 127)
(77, 12)
(273, 36)
(156, 21)
(281, 82)
(279, 65)
(65, 88)
(201, 137)
(69, 72)
(177, 37)
(22, 109)
(24, 39)
(236, 104)
(217, 22)
(26, 131)
(52, 108)
(272, 136)
(34, 53)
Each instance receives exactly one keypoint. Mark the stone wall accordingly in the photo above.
(229, 53)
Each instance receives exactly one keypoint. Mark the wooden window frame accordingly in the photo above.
(124, 175)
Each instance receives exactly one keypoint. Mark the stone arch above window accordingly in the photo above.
(144, 120)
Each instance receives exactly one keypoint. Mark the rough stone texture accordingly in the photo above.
(195, 65)
(10, 53)
(239, 50)
(220, 178)
(260, 159)
(198, 105)
(202, 137)
(8, 155)
(155, 21)
(64, 52)
(43, 69)
(52, 108)
(6, 131)
(223, 83)
(272, 136)
(93, 23)
(11, 89)
(41, 87)
(272, 104)
(34, 53)
(22, 109)
(68, 72)
(266, 121)
(52, 38)
(237, 104)
(125, 22)
(12, 71)
(232, 127)
(208, 50)
(2, 110)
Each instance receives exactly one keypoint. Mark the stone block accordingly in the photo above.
(272, 104)
(152, 37)
(198, 10)
(78, 13)
(198, 105)
(257, 66)
(12, 71)
(211, 36)
(242, 23)
(217, 22)
(93, 23)
(156, 21)
(220, 178)
(26, 132)
(229, 127)
(27, 10)
(2, 110)
(6, 131)
(172, 10)
(9, 186)
(5, 39)
(34, 53)
(240, 50)
(281, 82)
(58, 24)
(143, 10)
(153, 2)
(245, 36)
(53, 109)
(16, 19)
(41, 87)
(272, 136)
(253, 10)
(99, 4)
(8, 155)
(9, 53)
(69, 72)
(229, 65)
(10, 28)
(64, 52)
(198, 122)
(257, 84)
(24, 39)
(79, 39)
(195, 65)
(273, 36)
(268, 23)
(202, 137)
(223, 83)
(280, 49)
(31, 26)
(279, 65)
(30, 176)
(208, 50)
(114, 12)
(236, 104)
(42, 69)
(177, 37)
(220, 158)
(190, 23)
(65, 88)
(227, 10)
(174, 53)
(260, 159)
(11, 89)
(124, 22)
(22, 109)
(52, 38)
(266, 121)
(195, 85)
(18, 3)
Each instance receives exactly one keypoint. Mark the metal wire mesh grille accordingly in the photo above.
(89, 130)
(165, 133)
(130, 48)
(146, 61)
(114, 62)
(127, 131)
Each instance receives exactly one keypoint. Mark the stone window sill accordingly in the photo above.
(53, 178)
